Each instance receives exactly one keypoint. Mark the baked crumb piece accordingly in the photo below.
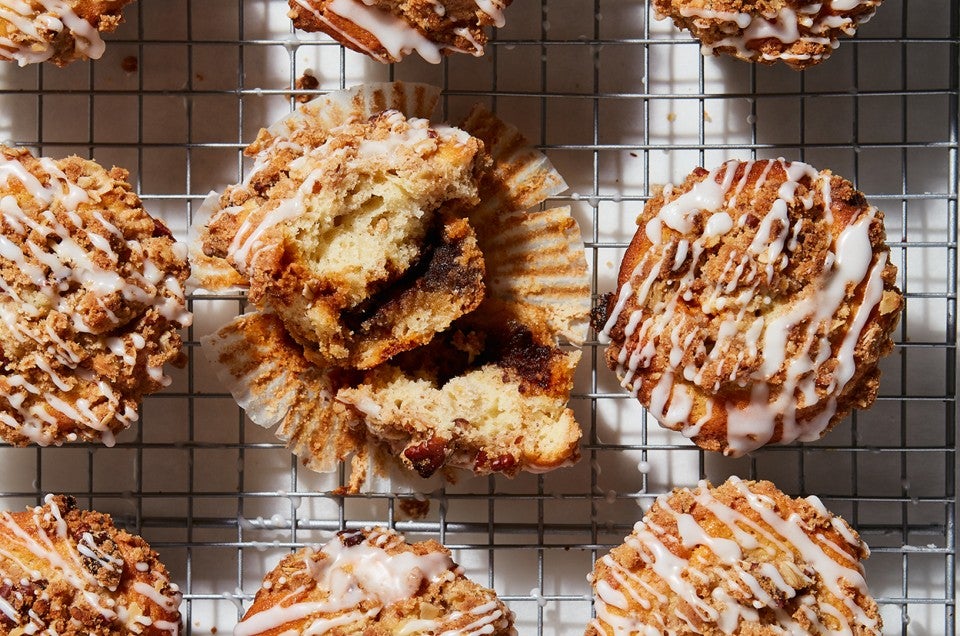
(352, 237)
(489, 398)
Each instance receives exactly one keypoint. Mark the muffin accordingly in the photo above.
(60, 31)
(753, 305)
(373, 582)
(796, 32)
(71, 572)
(351, 235)
(91, 295)
(742, 558)
(387, 30)
(452, 358)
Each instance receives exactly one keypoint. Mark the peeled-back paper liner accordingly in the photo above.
(522, 177)
(323, 113)
(535, 260)
(269, 377)
(535, 263)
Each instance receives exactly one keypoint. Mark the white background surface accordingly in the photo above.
(619, 102)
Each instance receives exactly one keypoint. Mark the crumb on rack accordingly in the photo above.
(306, 82)
(415, 508)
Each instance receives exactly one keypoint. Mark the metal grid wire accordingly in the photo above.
(620, 103)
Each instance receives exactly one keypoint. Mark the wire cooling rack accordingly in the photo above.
(619, 102)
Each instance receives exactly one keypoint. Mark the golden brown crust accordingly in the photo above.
(55, 558)
(449, 25)
(763, 317)
(798, 33)
(92, 300)
(69, 40)
(742, 558)
(387, 585)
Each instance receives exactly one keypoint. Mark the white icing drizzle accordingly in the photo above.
(63, 264)
(397, 36)
(59, 551)
(42, 27)
(759, 343)
(808, 23)
(356, 569)
(749, 554)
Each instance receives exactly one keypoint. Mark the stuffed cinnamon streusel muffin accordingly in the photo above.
(388, 30)
(59, 31)
(71, 572)
(91, 300)
(798, 33)
(742, 558)
(753, 305)
(411, 306)
(372, 581)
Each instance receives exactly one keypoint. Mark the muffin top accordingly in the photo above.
(753, 304)
(373, 582)
(388, 30)
(70, 572)
(91, 296)
(59, 31)
(742, 558)
(798, 33)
